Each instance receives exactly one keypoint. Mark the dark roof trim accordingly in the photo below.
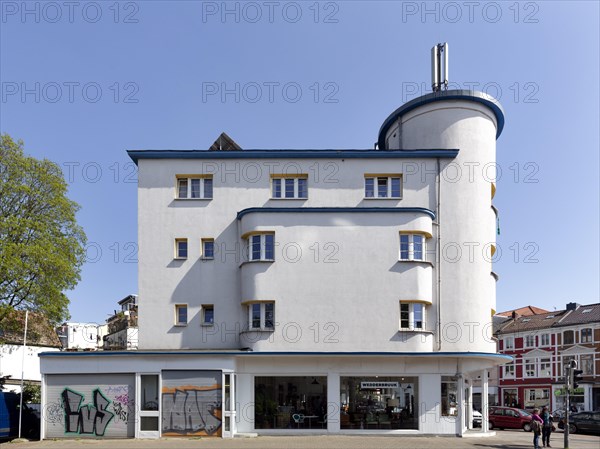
(360, 210)
(468, 95)
(135, 155)
(275, 353)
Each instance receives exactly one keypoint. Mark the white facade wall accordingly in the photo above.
(15, 357)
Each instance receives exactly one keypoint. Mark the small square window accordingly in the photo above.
(181, 248)
(261, 316)
(181, 314)
(412, 247)
(208, 248)
(208, 314)
(261, 247)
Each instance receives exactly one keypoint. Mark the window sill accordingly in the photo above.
(415, 261)
(207, 258)
(293, 199)
(180, 325)
(396, 198)
(256, 261)
(422, 331)
(193, 199)
(262, 329)
(179, 258)
(208, 325)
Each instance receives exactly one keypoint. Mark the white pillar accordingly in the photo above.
(333, 402)
(485, 426)
(460, 421)
(470, 405)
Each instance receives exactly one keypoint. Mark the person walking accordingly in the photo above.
(536, 427)
(546, 426)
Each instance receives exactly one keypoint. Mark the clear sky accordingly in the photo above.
(82, 82)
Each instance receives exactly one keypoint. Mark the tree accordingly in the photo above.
(41, 245)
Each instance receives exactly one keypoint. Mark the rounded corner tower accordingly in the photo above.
(465, 235)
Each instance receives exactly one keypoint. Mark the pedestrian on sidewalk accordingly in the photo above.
(536, 426)
(546, 427)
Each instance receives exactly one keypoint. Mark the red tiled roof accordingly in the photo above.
(524, 311)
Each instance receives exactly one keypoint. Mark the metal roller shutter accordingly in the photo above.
(191, 403)
(90, 406)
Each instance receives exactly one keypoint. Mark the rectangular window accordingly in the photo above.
(545, 367)
(509, 371)
(509, 342)
(261, 315)
(208, 248)
(181, 248)
(412, 247)
(586, 335)
(587, 364)
(181, 314)
(208, 314)
(545, 340)
(383, 186)
(449, 396)
(195, 187)
(261, 247)
(289, 187)
(529, 341)
(568, 338)
(412, 316)
(530, 368)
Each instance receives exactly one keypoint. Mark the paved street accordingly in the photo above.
(503, 440)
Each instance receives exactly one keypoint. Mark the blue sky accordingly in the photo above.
(83, 82)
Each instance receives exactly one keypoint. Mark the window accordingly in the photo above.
(208, 248)
(545, 340)
(587, 364)
(181, 313)
(509, 371)
(261, 247)
(449, 395)
(208, 314)
(530, 368)
(195, 187)
(261, 315)
(545, 367)
(388, 186)
(568, 338)
(289, 186)
(412, 316)
(567, 361)
(529, 341)
(509, 343)
(181, 248)
(412, 247)
(586, 335)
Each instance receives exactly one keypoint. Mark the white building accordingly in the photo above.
(17, 359)
(306, 291)
(78, 336)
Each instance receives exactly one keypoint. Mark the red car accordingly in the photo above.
(509, 418)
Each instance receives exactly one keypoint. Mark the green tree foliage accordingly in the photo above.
(41, 245)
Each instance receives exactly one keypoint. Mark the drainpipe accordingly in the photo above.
(439, 259)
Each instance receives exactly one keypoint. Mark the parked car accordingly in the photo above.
(477, 418)
(509, 418)
(583, 422)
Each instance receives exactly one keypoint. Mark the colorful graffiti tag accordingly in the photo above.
(87, 419)
(191, 411)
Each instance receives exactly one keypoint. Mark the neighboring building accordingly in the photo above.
(122, 332)
(78, 336)
(542, 345)
(306, 291)
(16, 359)
(523, 311)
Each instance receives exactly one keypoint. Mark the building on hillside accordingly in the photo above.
(306, 291)
(16, 359)
(542, 345)
(122, 332)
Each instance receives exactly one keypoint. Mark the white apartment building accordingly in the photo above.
(305, 291)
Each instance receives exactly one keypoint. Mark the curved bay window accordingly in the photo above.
(290, 402)
(379, 403)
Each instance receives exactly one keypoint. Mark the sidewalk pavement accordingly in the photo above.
(502, 440)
